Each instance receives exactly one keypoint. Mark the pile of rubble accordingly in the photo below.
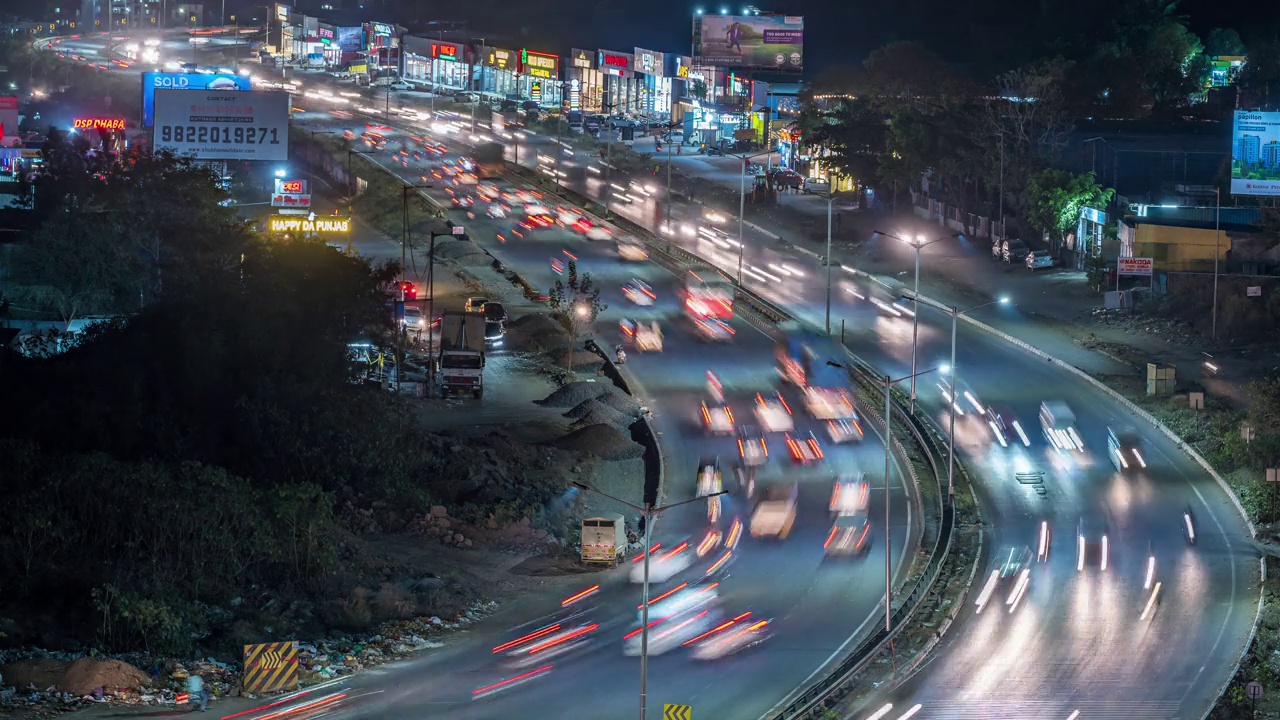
(517, 537)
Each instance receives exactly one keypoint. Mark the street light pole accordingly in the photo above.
(1217, 238)
(830, 196)
(648, 512)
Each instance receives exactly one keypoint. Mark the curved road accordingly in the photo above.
(1077, 641)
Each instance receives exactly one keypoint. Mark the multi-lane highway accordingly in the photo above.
(1079, 638)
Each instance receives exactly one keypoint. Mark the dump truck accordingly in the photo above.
(460, 364)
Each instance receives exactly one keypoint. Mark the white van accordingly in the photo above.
(817, 186)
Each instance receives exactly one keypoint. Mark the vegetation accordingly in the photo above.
(575, 306)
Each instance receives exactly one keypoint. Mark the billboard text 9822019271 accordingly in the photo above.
(223, 124)
(756, 41)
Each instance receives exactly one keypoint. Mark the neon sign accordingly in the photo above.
(539, 65)
(444, 51)
(98, 123)
(291, 186)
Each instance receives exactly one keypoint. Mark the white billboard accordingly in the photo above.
(1255, 153)
(223, 124)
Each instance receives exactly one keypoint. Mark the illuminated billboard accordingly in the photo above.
(153, 81)
(541, 65)
(762, 41)
(98, 123)
(1255, 153)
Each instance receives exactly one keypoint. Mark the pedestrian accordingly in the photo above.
(196, 691)
(656, 167)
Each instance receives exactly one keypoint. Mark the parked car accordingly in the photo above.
(1015, 251)
(819, 186)
(400, 85)
(464, 97)
(1039, 259)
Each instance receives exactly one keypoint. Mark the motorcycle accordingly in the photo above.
(1189, 525)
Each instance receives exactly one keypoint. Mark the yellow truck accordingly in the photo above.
(604, 539)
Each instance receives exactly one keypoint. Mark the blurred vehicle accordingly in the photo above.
(567, 217)
(1092, 534)
(713, 330)
(731, 638)
(414, 320)
(1189, 525)
(604, 539)
(708, 294)
(648, 337)
(710, 480)
(753, 449)
(717, 419)
(681, 600)
(965, 394)
(670, 634)
(1014, 251)
(475, 304)
(850, 535)
(714, 387)
(632, 250)
(408, 291)
(829, 403)
(1005, 426)
(495, 322)
(595, 232)
(850, 494)
(775, 511)
(551, 641)
(537, 209)
(463, 200)
(663, 564)
(844, 431)
(1014, 574)
(804, 450)
(1058, 423)
(488, 191)
(773, 413)
(498, 210)
(639, 292)
(1124, 445)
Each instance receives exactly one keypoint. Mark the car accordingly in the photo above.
(414, 320)
(400, 85)
(804, 450)
(850, 535)
(710, 480)
(775, 509)
(1013, 574)
(463, 200)
(717, 419)
(1058, 423)
(730, 637)
(753, 449)
(786, 177)
(567, 217)
(773, 413)
(1124, 445)
(595, 232)
(639, 293)
(817, 186)
(632, 250)
(713, 329)
(475, 304)
(1093, 544)
(824, 403)
(681, 600)
(495, 322)
(663, 564)
(498, 210)
(465, 97)
(849, 494)
(1005, 426)
(1014, 251)
(536, 210)
(1038, 260)
(845, 430)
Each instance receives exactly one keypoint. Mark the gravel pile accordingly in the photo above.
(602, 413)
(572, 394)
(536, 331)
(583, 408)
(463, 251)
(605, 441)
(622, 403)
(581, 360)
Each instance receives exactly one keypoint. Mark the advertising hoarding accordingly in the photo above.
(153, 81)
(1135, 266)
(351, 39)
(1255, 153)
(540, 65)
(291, 194)
(223, 125)
(582, 59)
(617, 64)
(8, 116)
(649, 62)
(762, 41)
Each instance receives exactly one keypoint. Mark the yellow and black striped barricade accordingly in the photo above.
(270, 667)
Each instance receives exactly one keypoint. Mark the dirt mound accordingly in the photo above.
(463, 251)
(83, 676)
(581, 360)
(536, 331)
(621, 402)
(571, 394)
(552, 565)
(602, 413)
(43, 673)
(582, 409)
(602, 440)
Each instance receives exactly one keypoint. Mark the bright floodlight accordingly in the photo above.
(724, 11)
(280, 172)
(1004, 301)
(582, 311)
(919, 239)
(944, 369)
(698, 11)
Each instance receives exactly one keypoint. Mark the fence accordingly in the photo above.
(956, 218)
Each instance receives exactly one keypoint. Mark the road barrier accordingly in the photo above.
(270, 667)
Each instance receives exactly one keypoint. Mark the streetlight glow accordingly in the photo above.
(280, 172)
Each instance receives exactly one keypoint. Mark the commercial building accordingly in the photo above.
(440, 63)
(584, 84)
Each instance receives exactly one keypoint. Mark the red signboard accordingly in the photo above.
(98, 123)
(619, 61)
(8, 102)
(445, 51)
(291, 186)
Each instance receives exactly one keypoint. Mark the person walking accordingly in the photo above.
(196, 691)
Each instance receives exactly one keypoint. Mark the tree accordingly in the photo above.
(576, 307)
(1027, 122)
(853, 136)
(1223, 41)
(906, 74)
(1259, 80)
(1054, 199)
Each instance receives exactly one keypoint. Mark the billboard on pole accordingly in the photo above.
(1255, 153)
(153, 81)
(223, 125)
(761, 41)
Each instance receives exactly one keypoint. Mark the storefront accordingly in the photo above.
(442, 64)
(500, 72)
(540, 78)
(652, 84)
(382, 46)
(585, 84)
(328, 35)
(620, 90)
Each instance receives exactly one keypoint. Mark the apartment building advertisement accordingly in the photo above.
(1255, 153)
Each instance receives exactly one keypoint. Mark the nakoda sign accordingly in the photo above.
(617, 64)
(540, 65)
(98, 123)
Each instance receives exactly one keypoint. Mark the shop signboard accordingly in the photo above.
(223, 124)
(649, 62)
(98, 123)
(684, 66)
(582, 59)
(282, 12)
(1135, 266)
(535, 91)
(1255, 153)
(350, 39)
(153, 81)
(380, 29)
(446, 51)
(540, 65)
(327, 34)
(500, 58)
(291, 193)
(575, 94)
(319, 224)
(759, 41)
(617, 64)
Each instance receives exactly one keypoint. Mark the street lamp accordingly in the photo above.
(919, 243)
(1217, 239)
(649, 512)
(280, 172)
(888, 445)
(742, 202)
(955, 391)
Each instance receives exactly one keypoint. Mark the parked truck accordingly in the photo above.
(489, 160)
(460, 365)
(604, 539)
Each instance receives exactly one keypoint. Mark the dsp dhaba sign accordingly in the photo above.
(326, 225)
